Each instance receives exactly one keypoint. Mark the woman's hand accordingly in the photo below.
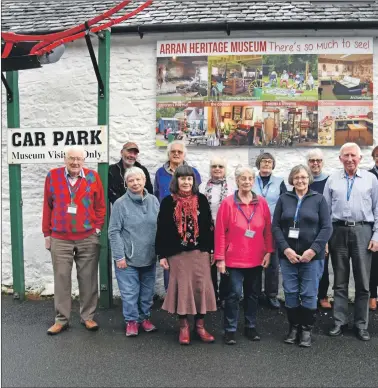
(221, 265)
(326, 250)
(293, 257)
(164, 264)
(121, 264)
(307, 256)
(212, 259)
(266, 261)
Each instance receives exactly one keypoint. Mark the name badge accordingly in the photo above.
(294, 233)
(249, 233)
(72, 208)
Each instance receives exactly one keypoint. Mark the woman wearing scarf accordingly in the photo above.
(216, 189)
(315, 161)
(184, 243)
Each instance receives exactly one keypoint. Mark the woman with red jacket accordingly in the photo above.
(243, 244)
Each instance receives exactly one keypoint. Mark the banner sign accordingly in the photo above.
(46, 145)
(265, 92)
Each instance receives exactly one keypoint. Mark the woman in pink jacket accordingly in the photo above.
(243, 244)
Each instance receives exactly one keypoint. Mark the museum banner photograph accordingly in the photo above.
(265, 92)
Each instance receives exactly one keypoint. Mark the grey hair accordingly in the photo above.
(169, 147)
(349, 145)
(79, 148)
(219, 160)
(314, 152)
(134, 171)
(295, 170)
(240, 170)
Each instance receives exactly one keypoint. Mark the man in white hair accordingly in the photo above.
(73, 215)
(352, 195)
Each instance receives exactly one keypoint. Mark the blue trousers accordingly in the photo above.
(248, 279)
(301, 282)
(137, 287)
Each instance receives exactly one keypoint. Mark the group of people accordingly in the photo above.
(240, 228)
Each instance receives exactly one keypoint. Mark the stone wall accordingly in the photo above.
(65, 94)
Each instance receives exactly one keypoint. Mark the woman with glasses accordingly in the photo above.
(270, 187)
(374, 263)
(243, 245)
(301, 228)
(184, 244)
(315, 161)
(216, 189)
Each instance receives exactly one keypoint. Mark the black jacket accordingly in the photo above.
(116, 185)
(168, 240)
(314, 223)
(374, 171)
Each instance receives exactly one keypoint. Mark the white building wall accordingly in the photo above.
(65, 94)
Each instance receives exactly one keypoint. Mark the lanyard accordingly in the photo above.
(264, 194)
(349, 185)
(73, 190)
(299, 204)
(249, 219)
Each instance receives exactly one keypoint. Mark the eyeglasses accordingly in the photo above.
(375, 157)
(176, 152)
(300, 178)
(217, 166)
(267, 161)
(315, 160)
(74, 159)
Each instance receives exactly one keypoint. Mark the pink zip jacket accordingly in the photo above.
(231, 243)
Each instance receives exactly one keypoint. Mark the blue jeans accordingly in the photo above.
(301, 282)
(249, 280)
(137, 286)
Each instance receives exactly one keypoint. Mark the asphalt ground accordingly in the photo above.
(107, 358)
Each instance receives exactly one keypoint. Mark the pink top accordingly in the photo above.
(231, 242)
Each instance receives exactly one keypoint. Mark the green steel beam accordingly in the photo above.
(13, 121)
(106, 289)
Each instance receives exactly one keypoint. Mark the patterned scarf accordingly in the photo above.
(224, 189)
(186, 208)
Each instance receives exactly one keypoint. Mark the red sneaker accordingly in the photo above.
(147, 326)
(132, 328)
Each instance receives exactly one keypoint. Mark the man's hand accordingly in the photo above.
(48, 243)
(266, 261)
(121, 264)
(307, 256)
(221, 265)
(293, 257)
(164, 264)
(373, 246)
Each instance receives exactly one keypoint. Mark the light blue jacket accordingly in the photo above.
(132, 228)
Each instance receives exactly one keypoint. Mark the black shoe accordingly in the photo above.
(337, 330)
(273, 303)
(252, 334)
(305, 339)
(229, 338)
(361, 334)
(292, 337)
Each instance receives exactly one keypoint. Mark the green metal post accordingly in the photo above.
(13, 121)
(106, 289)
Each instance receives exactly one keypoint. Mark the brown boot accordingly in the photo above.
(184, 336)
(324, 304)
(202, 333)
(372, 304)
(90, 325)
(57, 328)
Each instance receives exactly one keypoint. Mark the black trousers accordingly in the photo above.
(324, 281)
(374, 275)
(350, 244)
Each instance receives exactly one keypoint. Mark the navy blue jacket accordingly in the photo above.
(314, 223)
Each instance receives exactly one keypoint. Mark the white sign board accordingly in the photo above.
(46, 145)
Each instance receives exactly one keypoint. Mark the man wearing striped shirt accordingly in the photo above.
(352, 195)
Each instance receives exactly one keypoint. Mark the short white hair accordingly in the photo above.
(313, 153)
(350, 145)
(134, 171)
(170, 145)
(240, 170)
(73, 148)
(219, 160)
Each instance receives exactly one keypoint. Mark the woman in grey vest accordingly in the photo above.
(270, 187)
(132, 230)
